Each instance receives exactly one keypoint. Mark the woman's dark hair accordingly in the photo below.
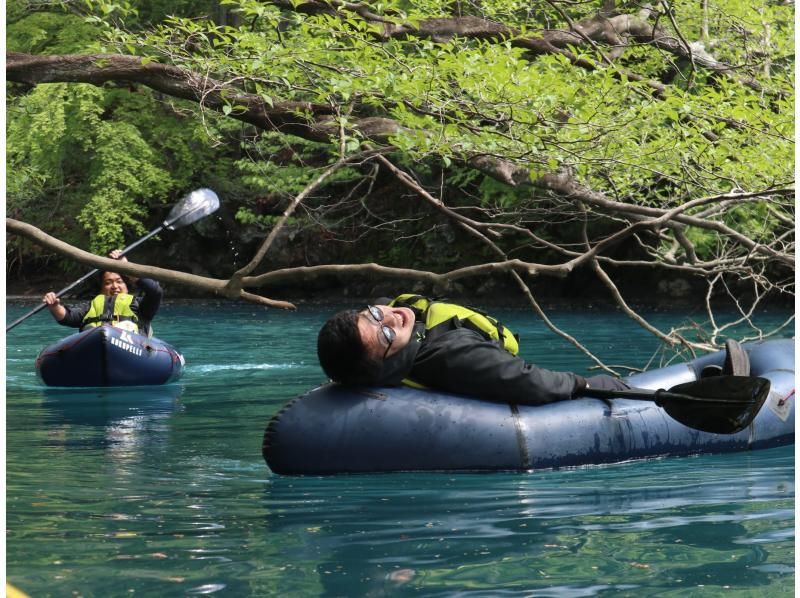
(342, 354)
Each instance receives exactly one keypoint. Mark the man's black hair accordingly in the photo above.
(101, 274)
(342, 353)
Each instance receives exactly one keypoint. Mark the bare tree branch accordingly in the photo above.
(210, 285)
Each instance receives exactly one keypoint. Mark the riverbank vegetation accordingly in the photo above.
(608, 149)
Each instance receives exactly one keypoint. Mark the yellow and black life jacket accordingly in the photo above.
(110, 310)
(435, 313)
(438, 316)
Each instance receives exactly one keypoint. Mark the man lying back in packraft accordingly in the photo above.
(444, 346)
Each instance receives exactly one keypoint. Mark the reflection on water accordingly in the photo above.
(661, 524)
(103, 406)
(124, 423)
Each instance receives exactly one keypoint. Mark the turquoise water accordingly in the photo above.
(163, 492)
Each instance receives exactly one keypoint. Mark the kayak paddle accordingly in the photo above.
(717, 404)
(193, 207)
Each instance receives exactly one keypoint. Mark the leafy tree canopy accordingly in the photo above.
(569, 134)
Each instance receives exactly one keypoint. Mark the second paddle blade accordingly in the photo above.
(718, 404)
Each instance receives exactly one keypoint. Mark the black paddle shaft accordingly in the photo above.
(83, 278)
(191, 208)
(661, 396)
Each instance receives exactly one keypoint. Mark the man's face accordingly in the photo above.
(399, 320)
(112, 284)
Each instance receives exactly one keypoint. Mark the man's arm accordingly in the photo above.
(66, 316)
(148, 305)
(151, 300)
(53, 303)
(462, 361)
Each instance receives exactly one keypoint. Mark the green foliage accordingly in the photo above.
(495, 193)
(123, 173)
(704, 133)
(44, 139)
(274, 171)
(105, 158)
(49, 32)
(103, 170)
(248, 217)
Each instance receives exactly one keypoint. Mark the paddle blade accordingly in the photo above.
(198, 204)
(717, 404)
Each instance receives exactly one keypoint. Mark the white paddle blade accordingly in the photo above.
(193, 207)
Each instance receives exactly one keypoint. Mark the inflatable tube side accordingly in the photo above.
(77, 356)
(108, 356)
(337, 430)
(395, 429)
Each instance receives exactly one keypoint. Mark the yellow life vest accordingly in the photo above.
(434, 313)
(119, 311)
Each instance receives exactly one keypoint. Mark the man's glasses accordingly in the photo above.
(387, 332)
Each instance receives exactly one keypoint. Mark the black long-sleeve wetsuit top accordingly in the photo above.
(461, 360)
